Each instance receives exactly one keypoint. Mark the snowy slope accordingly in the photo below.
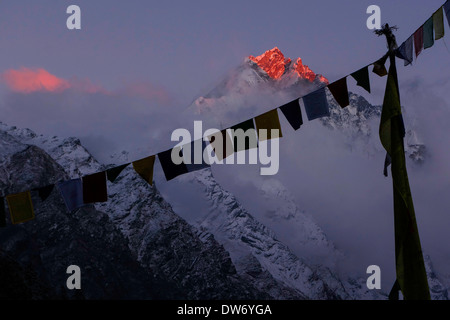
(237, 228)
(190, 264)
(254, 245)
(359, 122)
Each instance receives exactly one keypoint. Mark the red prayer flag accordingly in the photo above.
(418, 41)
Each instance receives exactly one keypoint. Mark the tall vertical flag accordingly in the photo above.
(410, 268)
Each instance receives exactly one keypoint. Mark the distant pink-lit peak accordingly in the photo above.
(275, 65)
(272, 62)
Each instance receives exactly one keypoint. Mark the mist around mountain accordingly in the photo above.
(227, 232)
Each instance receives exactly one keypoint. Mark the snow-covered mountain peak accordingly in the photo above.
(272, 62)
(276, 65)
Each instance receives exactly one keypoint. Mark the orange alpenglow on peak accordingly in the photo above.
(274, 64)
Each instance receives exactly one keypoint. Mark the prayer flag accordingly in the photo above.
(405, 51)
(94, 188)
(293, 113)
(44, 192)
(190, 157)
(244, 136)
(113, 173)
(144, 168)
(268, 121)
(447, 11)
(316, 105)
(428, 39)
(379, 68)
(362, 78)
(72, 193)
(340, 92)
(20, 207)
(2, 213)
(171, 169)
(418, 41)
(410, 268)
(221, 144)
(438, 22)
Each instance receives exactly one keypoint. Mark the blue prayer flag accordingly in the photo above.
(72, 193)
(447, 11)
(405, 51)
(316, 105)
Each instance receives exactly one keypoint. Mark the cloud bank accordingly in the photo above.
(135, 117)
(26, 80)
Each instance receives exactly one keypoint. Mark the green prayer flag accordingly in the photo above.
(2, 213)
(428, 39)
(268, 121)
(20, 207)
(410, 268)
(144, 168)
(362, 78)
(438, 22)
(113, 173)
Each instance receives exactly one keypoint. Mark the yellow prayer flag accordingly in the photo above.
(144, 168)
(20, 207)
(438, 21)
(268, 121)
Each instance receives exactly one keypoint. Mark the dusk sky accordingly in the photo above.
(181, 48)
(168, 53)
(122, 81)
